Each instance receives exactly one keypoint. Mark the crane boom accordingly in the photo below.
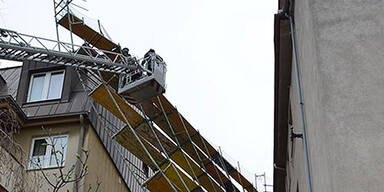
(20, 47)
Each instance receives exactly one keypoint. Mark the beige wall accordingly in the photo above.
(101, 166)
(70, 129)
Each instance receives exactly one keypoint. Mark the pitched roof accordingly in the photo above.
(11, 78)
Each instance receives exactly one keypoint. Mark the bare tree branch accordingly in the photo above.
(15, 161)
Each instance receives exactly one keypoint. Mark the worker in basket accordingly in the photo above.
(150, 58)
(130, 59)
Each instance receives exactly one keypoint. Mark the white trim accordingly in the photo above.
(47, 81)
(48, 153)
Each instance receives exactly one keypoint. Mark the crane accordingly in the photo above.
(155, 132)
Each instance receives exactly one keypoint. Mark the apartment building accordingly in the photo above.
(51, 107)
(329, 102)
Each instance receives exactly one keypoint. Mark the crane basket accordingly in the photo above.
(146, 81)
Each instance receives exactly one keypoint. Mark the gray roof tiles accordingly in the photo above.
(11, 77)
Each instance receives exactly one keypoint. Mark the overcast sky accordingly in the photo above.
(219, 55)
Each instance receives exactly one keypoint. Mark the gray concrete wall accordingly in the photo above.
(296, 175)
(341, 54)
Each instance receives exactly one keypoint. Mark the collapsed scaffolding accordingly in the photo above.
(155, 132)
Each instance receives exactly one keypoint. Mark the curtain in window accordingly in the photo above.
(37, 87)
(55, 85)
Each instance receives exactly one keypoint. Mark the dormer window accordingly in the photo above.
(45, 86)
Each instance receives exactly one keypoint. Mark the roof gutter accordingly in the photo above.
(281, 101)
(283, 67)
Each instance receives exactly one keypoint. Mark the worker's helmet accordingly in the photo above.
(125, 52)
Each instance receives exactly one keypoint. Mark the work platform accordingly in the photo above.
(184, 145)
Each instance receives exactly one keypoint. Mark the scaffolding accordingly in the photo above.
(178, 135)
(155, 132)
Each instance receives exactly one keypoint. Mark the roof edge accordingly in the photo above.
(6, 68)
(283, 62)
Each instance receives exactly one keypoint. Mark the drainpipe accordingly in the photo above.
(300, 98)
(77, 185)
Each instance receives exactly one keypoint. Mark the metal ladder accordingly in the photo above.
(20, 47)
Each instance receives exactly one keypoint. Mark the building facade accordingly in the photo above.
(51, 106)
(329, 95)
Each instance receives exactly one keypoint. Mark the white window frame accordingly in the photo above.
(48, 153)
(47, 81)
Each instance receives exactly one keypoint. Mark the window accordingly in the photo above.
(297, 188)
(145, 169)
(45, 86)
(48, 152)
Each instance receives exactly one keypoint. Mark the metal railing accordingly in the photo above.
(20, 47)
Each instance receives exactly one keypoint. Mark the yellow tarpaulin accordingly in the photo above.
(159, 184)
(101, 95)
(87, 33)
(183, 163)
(176, 122)
(128, 140)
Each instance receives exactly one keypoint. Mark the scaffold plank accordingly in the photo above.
(243, 181)
(87, 33)
(169, 108)
(125, 137)
(101, 96)
(171, 173)
(128, 140)
(198, 140)
(217, 175)
(179, 131)
(177, 125)
(145, 131)
(158, 183)
(182, 162)
(204, 181)
(189, 149)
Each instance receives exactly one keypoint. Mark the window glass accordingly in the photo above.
(39, 152)
(55, 85)
(46, 86)
(145, 169)
(48, 152)
(57, 158)
(40, 147)
(36, 91)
